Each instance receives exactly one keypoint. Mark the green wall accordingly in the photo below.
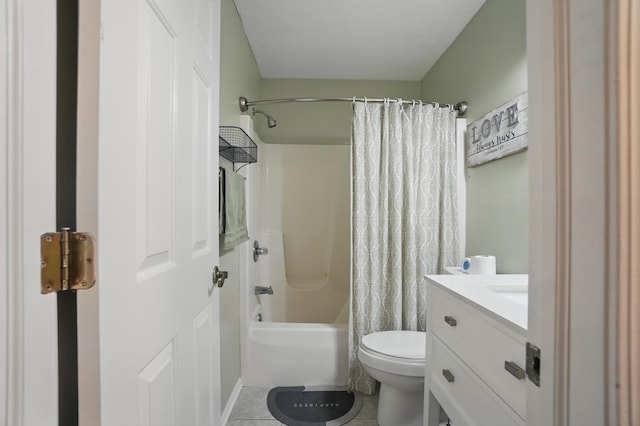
(239, 76)
(321, 123)
(487, 66)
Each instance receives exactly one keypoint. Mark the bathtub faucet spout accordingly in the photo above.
(262, 290)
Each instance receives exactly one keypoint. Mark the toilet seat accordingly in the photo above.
(397, 343)
(398, 352)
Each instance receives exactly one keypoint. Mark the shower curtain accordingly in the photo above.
(404, 217)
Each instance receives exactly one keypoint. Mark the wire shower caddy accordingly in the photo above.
(236, 146)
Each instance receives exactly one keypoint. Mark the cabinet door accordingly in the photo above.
(463, 395)
(482, 343)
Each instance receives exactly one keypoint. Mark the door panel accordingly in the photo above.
(156, 142)
(203, 332)
(157, 384)
(201, 130)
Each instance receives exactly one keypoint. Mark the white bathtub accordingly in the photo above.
(295, 354)
(280, 352)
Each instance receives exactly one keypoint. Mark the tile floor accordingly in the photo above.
(251, 409)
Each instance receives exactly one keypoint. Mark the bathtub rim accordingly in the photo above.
(265, 325)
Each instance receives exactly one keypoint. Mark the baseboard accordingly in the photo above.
(232, 402)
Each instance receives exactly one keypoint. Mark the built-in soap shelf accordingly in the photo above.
(236, 146)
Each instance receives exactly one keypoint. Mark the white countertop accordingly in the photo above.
(504, 296)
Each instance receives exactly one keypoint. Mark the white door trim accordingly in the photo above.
(87, 188)
(573, 280)
(542, 331)
(28, 210)
(628, 369)
(4, 206)
(14, 191)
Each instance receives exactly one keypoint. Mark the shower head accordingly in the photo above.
(271, 122)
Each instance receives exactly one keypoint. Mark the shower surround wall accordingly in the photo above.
(298, 208)
(306, 222)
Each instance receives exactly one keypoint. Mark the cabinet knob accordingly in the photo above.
(514, 369)
(450, 320)
(448, 375)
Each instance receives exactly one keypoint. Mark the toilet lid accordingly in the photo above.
(397, 343)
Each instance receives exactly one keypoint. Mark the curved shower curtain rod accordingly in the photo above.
(460, 107)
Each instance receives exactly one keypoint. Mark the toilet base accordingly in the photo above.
(397, 407)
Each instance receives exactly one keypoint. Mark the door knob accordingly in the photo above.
(219, 276)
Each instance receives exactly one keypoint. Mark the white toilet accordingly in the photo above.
(397, 360)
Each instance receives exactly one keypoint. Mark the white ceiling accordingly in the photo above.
(352, 39)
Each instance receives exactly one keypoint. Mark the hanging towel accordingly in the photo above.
(233, 216)
(221, 204)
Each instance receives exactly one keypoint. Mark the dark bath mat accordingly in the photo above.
(313, 405)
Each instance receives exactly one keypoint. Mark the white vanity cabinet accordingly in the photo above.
(476, 339)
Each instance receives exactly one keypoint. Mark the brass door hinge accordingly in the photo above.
(67, 261)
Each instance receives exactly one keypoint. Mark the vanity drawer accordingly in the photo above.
(484, 344)
(463, 395)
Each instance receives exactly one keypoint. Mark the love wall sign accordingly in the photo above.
(499, 133)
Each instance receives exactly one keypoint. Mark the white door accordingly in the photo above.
(149, 332)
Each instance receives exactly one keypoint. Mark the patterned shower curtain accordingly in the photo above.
(404, 217)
